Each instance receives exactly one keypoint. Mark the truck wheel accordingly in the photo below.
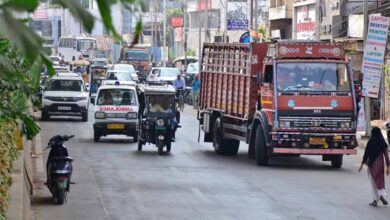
(139, 145)
(135, 138)
(84, 116)
(96, 136)
(337, 161)
(260, 147)
(44, 115)
(223, 146)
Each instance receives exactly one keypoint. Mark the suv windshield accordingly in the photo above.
(65, 85)
(116, 97)
(121, 76)
(312, 77)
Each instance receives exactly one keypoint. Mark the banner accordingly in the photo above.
(374, 51)
(361, 123)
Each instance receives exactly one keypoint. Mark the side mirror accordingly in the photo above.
(92, 100)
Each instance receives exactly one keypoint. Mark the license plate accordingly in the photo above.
(115, 126)
(62, 184)
(64, 108)
(317, 141)
(160, 137)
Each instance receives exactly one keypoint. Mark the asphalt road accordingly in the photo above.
(115, 181)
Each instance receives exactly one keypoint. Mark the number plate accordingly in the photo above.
(115, 126)
(64, 108)
(317, 141)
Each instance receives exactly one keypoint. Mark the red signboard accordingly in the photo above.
(202, 4)
(177, 21)
(309, 50)
(308, 26)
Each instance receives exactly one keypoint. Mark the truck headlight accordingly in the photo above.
(160, 122)
(285, 124)
(100, 115)
(345, 124)
(131, 115)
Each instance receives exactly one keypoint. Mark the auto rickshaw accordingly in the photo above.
(157, 115)
(81, 67)
(98, 73)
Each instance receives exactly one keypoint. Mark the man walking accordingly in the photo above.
(195, 91)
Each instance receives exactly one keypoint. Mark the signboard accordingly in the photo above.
(237, 18)
(305, 22)
(40, 15)
(177, 22)
(373, 55)
(330, 51)
(202, 5)
(237, 24)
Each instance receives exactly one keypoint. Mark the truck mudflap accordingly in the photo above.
(313, 151)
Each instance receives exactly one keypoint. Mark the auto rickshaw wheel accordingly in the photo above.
(169, 147)
(139, 145)
(160, 150)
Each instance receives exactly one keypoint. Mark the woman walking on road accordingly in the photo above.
(374, 156)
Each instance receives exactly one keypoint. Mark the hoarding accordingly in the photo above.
(305, 22)
(237, 18)
(373, 55)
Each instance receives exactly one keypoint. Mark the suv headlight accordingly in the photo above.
(48, 97)
(131, 115)
(345, 124)
(285, 124)
(81, 98)
(160, 122)
(100, 115)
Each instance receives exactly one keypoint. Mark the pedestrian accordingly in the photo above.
(374, 157)
(195, 91)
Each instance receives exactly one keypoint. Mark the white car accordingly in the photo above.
(65, 95)
(55, 60)
(121, 76)
(116, 111)
(127, 67)
(163, 74)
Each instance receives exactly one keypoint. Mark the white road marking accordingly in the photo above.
(38, 151)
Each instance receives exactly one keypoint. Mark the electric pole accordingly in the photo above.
(225, 22)
(367, 104)
(206, 24)
(165, 34)
(200, 31)
(317, 19)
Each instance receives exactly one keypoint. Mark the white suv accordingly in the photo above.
(65, 94)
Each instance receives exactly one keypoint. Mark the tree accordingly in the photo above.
(22, 55)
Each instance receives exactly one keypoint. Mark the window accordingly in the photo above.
(116, 97)
(65, 85)
(277, 3)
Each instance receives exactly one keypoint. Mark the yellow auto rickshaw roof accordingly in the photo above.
(81, 62)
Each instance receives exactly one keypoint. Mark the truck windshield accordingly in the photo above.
(85, 44)
(312, 77)
(136, 55)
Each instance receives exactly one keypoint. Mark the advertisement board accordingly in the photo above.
(374, 51)
(305, 22)
(237, 18)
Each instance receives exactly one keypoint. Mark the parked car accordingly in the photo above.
(163, 74)
(65, 95)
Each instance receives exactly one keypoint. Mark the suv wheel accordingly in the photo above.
(44, 115)
(96, 136)
(84, 116)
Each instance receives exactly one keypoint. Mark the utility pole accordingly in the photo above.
(165, 34)
(200, 31)
(367, 104)
(184, 9)
(257, 16)
(206, 24)
(317, 20)
(225, 22)
(250, 15)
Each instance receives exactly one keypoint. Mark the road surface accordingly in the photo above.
(115, 181)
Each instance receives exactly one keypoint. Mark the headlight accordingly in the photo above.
(131, 115)
(48, 97)
(345, 124)
(285, 124)
(160, 122)
(100, 115)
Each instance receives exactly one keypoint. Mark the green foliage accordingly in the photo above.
(8, 154)
(386, 72)
(262, 35)
(191, 52)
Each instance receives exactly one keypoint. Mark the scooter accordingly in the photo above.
(59, 168)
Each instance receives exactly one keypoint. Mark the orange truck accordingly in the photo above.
(286, 98)
(139, 56)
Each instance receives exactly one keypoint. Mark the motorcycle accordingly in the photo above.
(59, 168)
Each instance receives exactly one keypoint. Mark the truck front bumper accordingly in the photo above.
(313, 151)
(126, 128)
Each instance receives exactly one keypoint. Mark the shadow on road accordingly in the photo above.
(59, 118)
(314, 163)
